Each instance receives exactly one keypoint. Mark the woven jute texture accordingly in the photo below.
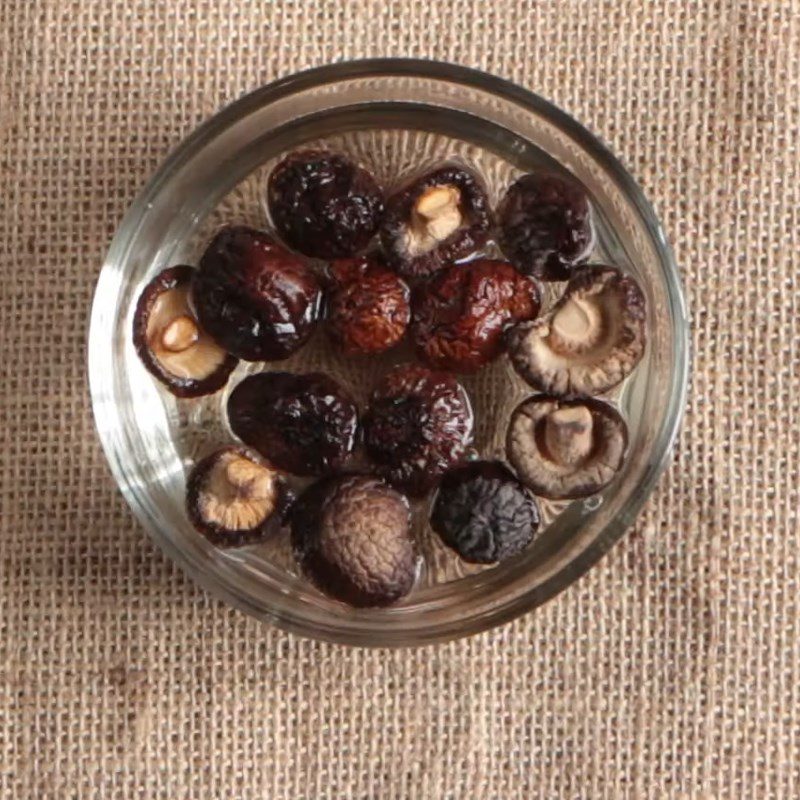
(672, 670)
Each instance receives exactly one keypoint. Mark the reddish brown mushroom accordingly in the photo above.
(368, 306)
(461, 313)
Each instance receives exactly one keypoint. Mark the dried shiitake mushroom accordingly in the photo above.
(591, 340)
(258, 300)
(304, 424)
(368, 306)
(484, 513)
(460, 313)
(545, 225)
(436, 219)
(418, 424)
(352, 537)
(235, 498)
(566, 448)
(170, 341)
(324, 205)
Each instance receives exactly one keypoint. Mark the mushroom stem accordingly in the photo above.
(576, 326)
(568, 435)
(180, 334)
(248, 479)
(438, 211)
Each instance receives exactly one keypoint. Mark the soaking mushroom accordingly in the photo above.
(591, 340)
(233, 497)
(305, 424)
(484, 513)
(351, 534)
(566, 448)
(545, 225)
(170, 342)
(436, 219)
(255, 298)
(419, 423)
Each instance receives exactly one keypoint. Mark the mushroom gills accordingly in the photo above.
(592, 339)
(177, 341)
(564, 449)
(238, 493)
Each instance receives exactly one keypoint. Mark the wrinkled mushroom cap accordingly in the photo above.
(591, 340)
(170, 342)
(232, 495)
(255, 298)
(368, 306)
(418, 424)
(352, 536)
(302, 423)
(484, 513)
(462, 313)
(566, 448)
(323, 204)
(545, 225)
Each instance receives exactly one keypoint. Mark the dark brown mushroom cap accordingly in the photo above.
(170, 342)
(351, 535)
(545, 225)
(418, 424)
(323, 204)
(566, 448)
(234, 498)
(258, 300)
(303, 423)
(434, 220)
(591, 340)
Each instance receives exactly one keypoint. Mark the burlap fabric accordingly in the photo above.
(671, 671)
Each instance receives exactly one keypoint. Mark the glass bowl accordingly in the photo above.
(393, 116)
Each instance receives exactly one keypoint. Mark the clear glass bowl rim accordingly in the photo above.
(504, 89)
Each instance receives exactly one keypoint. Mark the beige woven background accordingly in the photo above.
(671, 671)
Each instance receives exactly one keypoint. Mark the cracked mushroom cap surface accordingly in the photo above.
(323, 204)
(234, 498)
(591, 340)
(566, 448)
(437, 218)
(170, 342)
(462, 312)
(368, 306)
(352, 537)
